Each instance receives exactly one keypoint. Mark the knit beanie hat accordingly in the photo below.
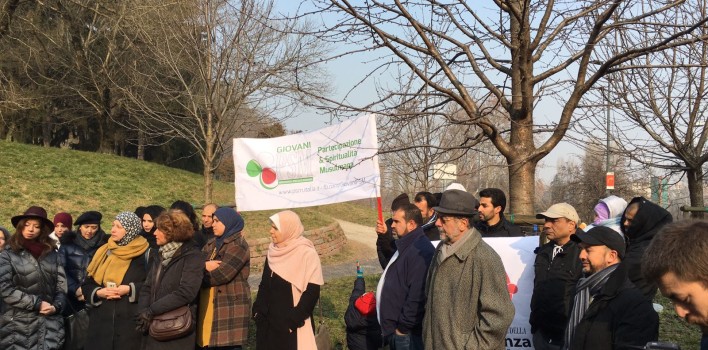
(64, 218)
(132, 225)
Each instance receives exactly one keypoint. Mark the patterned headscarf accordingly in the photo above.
(132, 225)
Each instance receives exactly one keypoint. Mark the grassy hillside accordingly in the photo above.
(75, 181)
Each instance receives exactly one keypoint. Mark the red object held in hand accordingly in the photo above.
(366, 304)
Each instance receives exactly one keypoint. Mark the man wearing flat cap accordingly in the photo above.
(608, 312)
(468, 305)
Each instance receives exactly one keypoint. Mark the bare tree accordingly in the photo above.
(207, 64)
(7, 12)
(663, 99)
(522, 53)
(64, 55)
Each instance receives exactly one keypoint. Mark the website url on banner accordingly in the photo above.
(299, 190)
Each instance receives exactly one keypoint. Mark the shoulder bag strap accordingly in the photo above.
(156, 281)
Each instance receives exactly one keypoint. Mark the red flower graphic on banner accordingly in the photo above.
(512, 288)
(267, 176)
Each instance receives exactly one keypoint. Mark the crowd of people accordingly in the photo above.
(593, 284)
(156, 280)
(160, 279)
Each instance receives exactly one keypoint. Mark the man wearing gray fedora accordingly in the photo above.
(466, 281)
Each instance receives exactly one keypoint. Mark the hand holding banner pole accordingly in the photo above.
(379, 207)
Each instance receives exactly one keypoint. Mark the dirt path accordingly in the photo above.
(361, 242)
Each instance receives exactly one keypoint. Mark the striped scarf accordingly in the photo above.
(587, 287)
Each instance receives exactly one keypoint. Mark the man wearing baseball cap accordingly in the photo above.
(609, 312)
(557, 270)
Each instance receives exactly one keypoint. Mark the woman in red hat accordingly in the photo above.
(33, 285)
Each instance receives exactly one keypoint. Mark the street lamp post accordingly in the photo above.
(609, 175)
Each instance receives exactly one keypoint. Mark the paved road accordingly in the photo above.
(364, 240)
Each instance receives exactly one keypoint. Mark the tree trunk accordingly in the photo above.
(208, 182)
(104, 119)
(695, 190)
(141, 144)
(47, 128)
(10, 131)
(522, 189)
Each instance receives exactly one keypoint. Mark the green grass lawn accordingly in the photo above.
(75, 181)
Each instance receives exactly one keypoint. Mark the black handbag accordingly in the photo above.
(76, 330)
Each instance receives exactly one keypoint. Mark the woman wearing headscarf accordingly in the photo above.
(608, 212)
(289, 289)
(115, 275)
(76, 251)
(225, 298)
(149, 219)
(174, 281)
(32, 286)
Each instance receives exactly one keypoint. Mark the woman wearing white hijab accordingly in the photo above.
(289, 289)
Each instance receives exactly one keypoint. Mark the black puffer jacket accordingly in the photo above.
(647, 222)
(75, 255)
(23, 287)
(363, 332)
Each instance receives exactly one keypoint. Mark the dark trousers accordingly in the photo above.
(541, 342)
(404, 342)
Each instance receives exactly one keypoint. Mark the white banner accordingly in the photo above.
(518, 258)
(331, 165)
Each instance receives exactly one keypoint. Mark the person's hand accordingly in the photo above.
(108, 293)
(293, 322)
(399, 332)
(123, 289)
(80, 295)
(212, 265)
(142, 320)
(380, 227)
(46, 308)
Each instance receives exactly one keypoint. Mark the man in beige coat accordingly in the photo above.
(468, 305)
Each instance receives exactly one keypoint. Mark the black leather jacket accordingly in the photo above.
(554, 288)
